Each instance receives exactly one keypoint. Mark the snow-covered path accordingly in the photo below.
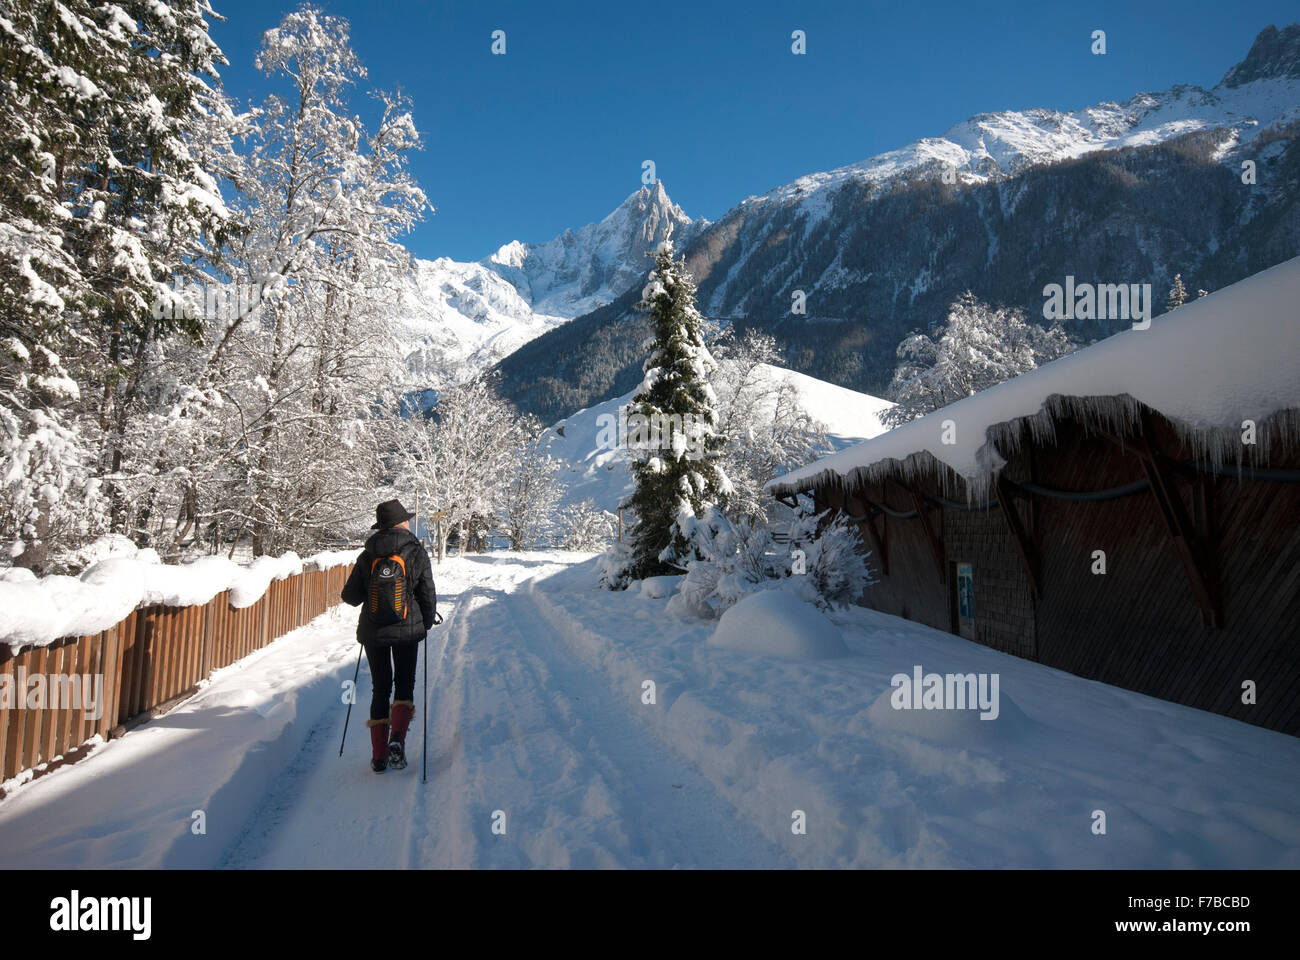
(516, 725)
(537, 723)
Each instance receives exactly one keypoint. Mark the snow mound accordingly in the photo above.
(657, 588)
(951, 727)
(779, 625)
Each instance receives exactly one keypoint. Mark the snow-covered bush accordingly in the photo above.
(830, 568)
(733, 560)
(584, 526)
(528, 500)
(612, 566)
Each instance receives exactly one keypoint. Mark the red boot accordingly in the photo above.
(378, 744)
(402, 712)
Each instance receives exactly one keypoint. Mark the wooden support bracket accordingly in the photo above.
(1024, 543)
(1197, 554)
(936, 540)
(867, 516)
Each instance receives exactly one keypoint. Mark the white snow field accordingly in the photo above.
(597, 471)
(539, 722)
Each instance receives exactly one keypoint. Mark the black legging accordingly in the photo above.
(385, 660)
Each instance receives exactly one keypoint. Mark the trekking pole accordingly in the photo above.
(424, 751)
(356, 673)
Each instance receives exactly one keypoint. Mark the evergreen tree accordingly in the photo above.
(104, 204)
(1177, 293)
(672, 426)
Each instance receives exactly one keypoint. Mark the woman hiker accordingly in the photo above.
(392, 582)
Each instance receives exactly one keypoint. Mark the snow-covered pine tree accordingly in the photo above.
(104, 204)
(1177, 293)
(672, 425)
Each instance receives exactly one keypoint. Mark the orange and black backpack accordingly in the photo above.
(388, 602)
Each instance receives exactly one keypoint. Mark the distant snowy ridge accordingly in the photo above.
(998, 145)
(1000, 204)
(458, 319)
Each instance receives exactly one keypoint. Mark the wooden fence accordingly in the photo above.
(151, 660)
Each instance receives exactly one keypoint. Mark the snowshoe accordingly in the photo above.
(396, 755)
(379, 766)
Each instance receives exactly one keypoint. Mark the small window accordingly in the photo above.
(965, 586)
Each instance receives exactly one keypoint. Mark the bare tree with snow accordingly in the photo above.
(978, 346)
(768, 430)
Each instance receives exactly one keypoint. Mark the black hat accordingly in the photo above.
(389, 514)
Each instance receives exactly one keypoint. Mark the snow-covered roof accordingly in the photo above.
(1207, 367)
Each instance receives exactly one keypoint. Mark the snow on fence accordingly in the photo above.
(182, 623)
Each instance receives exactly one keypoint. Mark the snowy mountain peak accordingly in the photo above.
(1274, 54)
(460, 318)
(651, 208)
(511, 254)
(586, 268)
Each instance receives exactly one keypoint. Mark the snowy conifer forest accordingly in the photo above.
(936, 510)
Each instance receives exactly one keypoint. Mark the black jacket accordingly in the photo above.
(419, 575)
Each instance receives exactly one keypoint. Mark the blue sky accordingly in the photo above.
(553, 134)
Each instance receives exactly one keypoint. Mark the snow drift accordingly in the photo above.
(778, 624)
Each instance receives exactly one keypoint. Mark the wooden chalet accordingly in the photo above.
(1129, 513)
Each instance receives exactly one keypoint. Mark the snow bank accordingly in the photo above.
(778, 624)
(330, 559)
(1211, 364)
(1182, 788)
(40, 611)
(254, 580)
(657, 588)
(952, 727)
